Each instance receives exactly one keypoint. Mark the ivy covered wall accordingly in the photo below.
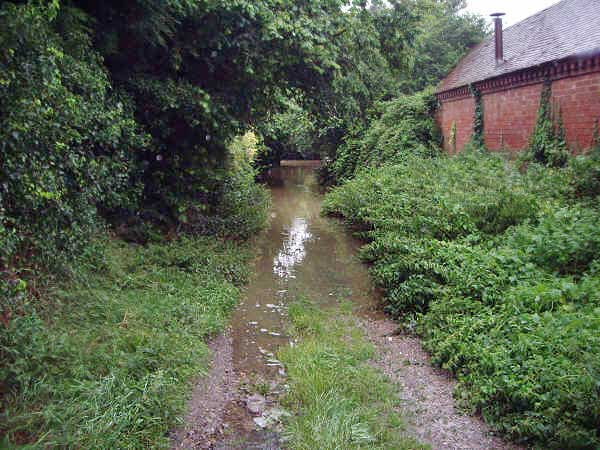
(509, 115)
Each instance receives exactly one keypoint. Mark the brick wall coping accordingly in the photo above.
(554, 70)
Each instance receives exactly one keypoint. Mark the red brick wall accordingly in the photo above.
(509, 117)
(460, 112)
(579, 100)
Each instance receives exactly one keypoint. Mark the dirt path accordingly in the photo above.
(427, 393)
(217, 416)
(212, 393)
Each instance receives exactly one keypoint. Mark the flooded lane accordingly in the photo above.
(300, 254)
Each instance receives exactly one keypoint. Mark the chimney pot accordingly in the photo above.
(499, 39)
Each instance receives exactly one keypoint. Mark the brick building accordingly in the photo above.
(560, 44)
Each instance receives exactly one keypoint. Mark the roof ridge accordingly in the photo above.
(565, 29)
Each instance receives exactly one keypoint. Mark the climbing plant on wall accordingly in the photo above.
(596, 140)
(452, 139)
(477, 137)
(548, 144)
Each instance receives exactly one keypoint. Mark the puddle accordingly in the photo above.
(301, 253)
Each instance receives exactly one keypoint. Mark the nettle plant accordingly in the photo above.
(585, 169)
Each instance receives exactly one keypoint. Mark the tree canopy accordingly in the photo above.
(126, 109)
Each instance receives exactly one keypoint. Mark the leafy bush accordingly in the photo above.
(185, 164)
(66, 140)
(585, 171)
(528, 363)
(241, 205)
(242, 211)
(403, 126)
(502, 270)
(441, 197)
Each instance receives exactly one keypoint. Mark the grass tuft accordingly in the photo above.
(340, 400)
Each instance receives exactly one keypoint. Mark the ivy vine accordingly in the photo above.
(477, 138)
(596, 140)
(452, 140)
(548, 143)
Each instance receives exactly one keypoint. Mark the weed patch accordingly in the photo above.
(501, 270)
(107, 362)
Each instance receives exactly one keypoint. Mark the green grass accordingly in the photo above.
(339, 401)
(107, 362)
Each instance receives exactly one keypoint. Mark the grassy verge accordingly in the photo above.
(107, 362)
(502, 271)
(340, 401)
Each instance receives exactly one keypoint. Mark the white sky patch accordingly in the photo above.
(516, 10)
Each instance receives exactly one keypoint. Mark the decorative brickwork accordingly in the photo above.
(509, 117)
(511, 101)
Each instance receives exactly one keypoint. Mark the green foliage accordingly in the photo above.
(242, 211)
(200, 72)
(477, 137)
(106, 360)
(403, 126)
(502, 271)
(66, 139)
(289, 134)
(381, 49)
(188, 147)
(596, 140)
(342, 402)
(586, 169)
(548, 143)
(444, 34)
(442, 198)
(343, 101)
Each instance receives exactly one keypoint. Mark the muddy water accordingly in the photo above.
(300, 254)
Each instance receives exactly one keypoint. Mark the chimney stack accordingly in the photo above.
(498, 37)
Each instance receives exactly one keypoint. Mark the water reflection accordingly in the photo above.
(293, 250)
(302, 253)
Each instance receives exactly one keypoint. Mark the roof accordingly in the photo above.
(570, 28)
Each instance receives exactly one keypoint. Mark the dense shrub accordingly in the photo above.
(66, 139)
(242, 209)
(528, 363)
(403, 126)
(502, 270)
(441, 197)
(188, 155)
(585, 173)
